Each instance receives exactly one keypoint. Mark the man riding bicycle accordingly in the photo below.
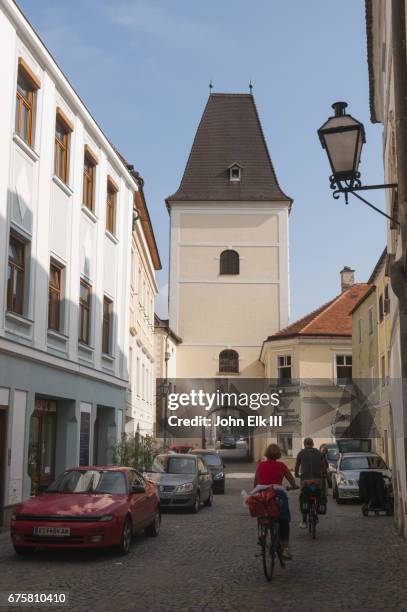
(310, 465)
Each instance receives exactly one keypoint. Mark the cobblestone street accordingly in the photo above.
(207, 562)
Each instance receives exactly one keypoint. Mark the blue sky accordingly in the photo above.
(143, 68)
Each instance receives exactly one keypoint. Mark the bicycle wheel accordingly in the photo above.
(268, 551)
(314, 520)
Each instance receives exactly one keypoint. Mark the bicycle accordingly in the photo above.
(271, 545)
(312, 494)
(269, 537)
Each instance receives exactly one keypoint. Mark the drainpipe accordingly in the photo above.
(165, 397)
(398, 270)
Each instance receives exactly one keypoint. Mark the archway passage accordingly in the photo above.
(230, 434)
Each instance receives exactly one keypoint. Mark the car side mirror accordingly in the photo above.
(137, 489)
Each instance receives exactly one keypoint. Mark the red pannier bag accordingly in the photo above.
(264, 503)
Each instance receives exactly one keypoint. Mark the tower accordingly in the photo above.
(229, 279)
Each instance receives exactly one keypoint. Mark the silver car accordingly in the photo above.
(345, 479)
(183, 480)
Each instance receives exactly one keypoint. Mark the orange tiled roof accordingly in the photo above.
(331, 319)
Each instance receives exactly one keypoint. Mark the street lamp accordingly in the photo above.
(342, 137)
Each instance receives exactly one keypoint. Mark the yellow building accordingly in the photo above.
(371, 349)
(311, 360)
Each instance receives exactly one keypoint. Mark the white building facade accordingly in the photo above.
(67, 202)
(143, 289)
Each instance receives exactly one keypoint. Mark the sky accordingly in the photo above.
(143, 68)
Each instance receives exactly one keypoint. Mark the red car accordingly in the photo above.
(88, 507)
(180, 448)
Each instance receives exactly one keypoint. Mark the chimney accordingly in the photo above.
(347, 278)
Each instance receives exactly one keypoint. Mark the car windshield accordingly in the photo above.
(363, 463)
(89, 481)
(228, 439)
(213, 460)
(181, 465)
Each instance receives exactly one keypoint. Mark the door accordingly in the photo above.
(138, 502)
(285, 442)
(3, 450)
(41, 452)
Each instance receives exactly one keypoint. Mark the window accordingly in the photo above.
(89, 173)
(111, 205)
(229, 361)
(107, 325)
(138, 376)
(235, 173)
(386, 305)
(381, 308)
(16, 275)
(27, 85)
(54, 297)
(85, 298)
(344, 369)
(132, 270)
(383, 368)
(229, 262)
(284, 369)
(370, 321)
(359, 330)
(63, 128)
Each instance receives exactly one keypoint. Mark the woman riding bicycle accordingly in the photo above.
(272, 472)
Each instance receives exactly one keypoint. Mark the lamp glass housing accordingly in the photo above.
(342, 137)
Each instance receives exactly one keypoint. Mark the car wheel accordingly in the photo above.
(209, 501)
(126, 538)
(24, 550)
(154, 529)
(197, 504)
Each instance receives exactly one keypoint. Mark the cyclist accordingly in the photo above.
(271, 471)
(313, 467)
(324, 452)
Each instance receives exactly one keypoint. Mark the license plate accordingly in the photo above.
(52, 531)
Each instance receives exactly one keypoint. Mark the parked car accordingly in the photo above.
(88, 507)
(216, 467)
(184, 481)
(179, 448)
(345, 480)
(228, 442)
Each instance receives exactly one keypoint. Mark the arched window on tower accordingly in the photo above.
(229, 361)
(229, 262)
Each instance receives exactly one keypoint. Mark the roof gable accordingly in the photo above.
(332, 319)
(229, 130)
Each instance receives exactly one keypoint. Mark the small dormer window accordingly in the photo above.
(235, 173)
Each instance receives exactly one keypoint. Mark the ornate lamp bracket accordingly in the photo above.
(353, 185)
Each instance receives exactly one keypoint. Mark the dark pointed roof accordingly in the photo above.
(229, 132)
